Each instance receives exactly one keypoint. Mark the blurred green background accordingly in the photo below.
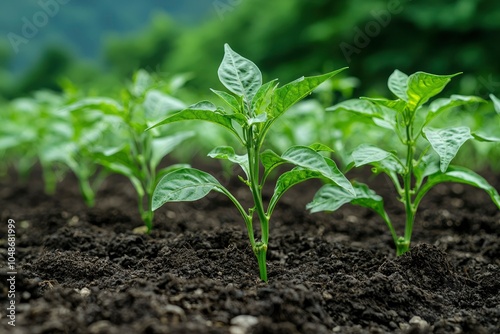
(97, 45)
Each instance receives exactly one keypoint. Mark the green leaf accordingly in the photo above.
(397, 105)
(496, 103)
(447, 142)
(270, 160)
(142, 81)
(361, 107)
(239, 75)
(229, 99)
(427, 166)
(459, 175)
(440, 105)
(203, 111)
(164, 145)
(186, 184)
(104, 104)
(422, 86)
(158, 104)
(263, 98)
(288, 180)
(368, 154)
(331, 197)
(318, 147)
(398, 84)
(485, 138)
(291, 93)
(227, 153)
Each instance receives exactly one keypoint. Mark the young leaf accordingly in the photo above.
(286, 96)
(158, 104)
(398, 84)
(366, 154)
(447, 142)
(422, 86)
(485, 138)
(459, 175)
(227, 153)
(229, 99)
(270, 160)
(318, 147)
(239, 75)
(104, 104)
(263, 97)
(186, 184)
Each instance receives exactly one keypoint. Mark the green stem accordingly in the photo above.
(403, 244)
(260, 249)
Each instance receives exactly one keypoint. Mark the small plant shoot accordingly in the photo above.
(253, 108)
(132, 151)
(426, 151)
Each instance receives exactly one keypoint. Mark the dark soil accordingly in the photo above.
(83, 270)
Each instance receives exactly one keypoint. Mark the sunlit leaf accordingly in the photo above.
(423, 86)
(240, 75)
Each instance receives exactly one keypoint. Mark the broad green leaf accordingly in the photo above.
(496, 103)
(440, 105)
(398, 84)
(270, 160)
(164, 145)
(203, 111)
(397, 105)
(379, 158)
(428, 165)
(361, 107)
(229, 99)
(366, 154)
(158, 105)
(331, 197)
(164, 171)
(186, 184)
(291, 93)
(338, 177)
(422, 86)
(227, 153)
(447, 142)
(263, 98)
(459, 175)
(288, 180)
(239, 75)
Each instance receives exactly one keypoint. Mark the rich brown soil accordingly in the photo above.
(83, 270)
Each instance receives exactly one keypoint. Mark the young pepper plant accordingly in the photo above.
(131, 151)
(418, 169)
(254, 107)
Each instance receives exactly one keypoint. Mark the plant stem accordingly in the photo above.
(260, 248)
(403, 244)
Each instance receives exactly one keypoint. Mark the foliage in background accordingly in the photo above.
(133, 152)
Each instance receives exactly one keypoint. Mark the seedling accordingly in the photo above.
(254, 107)
(420, 167)
(133, 152)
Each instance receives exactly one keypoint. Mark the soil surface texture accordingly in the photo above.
(84, 270)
